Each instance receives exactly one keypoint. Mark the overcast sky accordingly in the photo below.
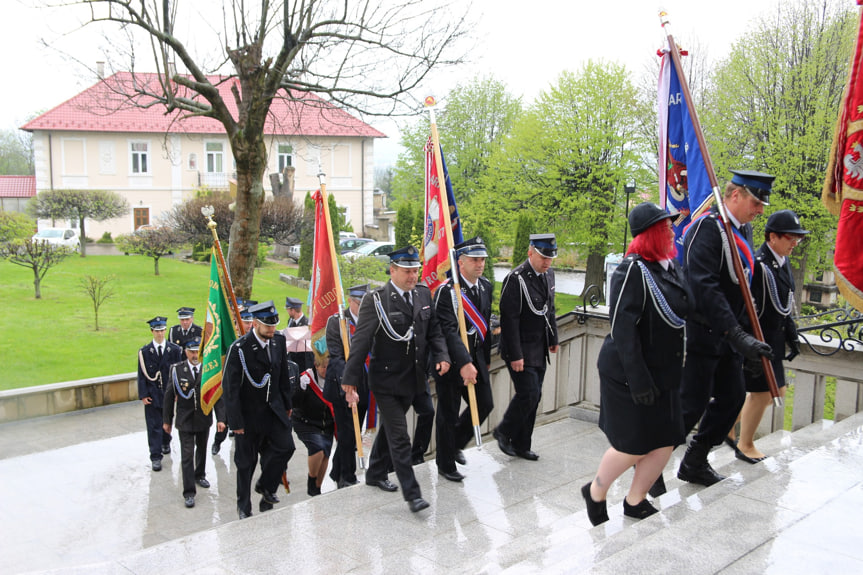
(525, 44)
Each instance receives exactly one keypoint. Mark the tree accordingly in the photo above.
(98, 205)
(153, 243)
(774, 109)
(15, 226)
(39, 256)
(307, 238)
(98, 290)
(287, 49)
(566, 161)
(16, 153)
(404, 224)
(522, 239)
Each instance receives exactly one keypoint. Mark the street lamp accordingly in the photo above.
(627, 191)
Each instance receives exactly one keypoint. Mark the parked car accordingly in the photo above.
(379, 250)
(66, 237)
(351, 244)
(294, 252)
(347, 235)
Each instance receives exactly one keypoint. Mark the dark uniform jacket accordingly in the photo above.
(309, 409)
(707, 267)
(479, 351)
(392, 369)
(523, 334)
(153, 374)
(776, 325)
(652, 353)
(189, 414)
(298, 323)
(247, 405)
(177, 336)
(336, 368)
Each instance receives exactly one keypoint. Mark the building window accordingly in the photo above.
(142, 217)
(285, 156)
(140, 157)
(215, 157)
(193, 161)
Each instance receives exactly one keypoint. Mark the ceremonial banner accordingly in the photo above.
(322, 292)
(684, 185)
(843, 186)
(219, 334)
(435, 248)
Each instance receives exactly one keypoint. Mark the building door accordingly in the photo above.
(142, 217)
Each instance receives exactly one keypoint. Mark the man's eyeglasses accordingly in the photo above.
(795, 238)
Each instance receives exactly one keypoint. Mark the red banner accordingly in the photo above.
(324, 285)
(435, 248)
(843, 187)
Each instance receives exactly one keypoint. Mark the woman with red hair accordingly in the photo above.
(640, 365)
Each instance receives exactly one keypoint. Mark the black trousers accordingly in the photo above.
(424, 408)
(454, 431)
(393, 445)
(156, 436)
(344, 466)
(712, 391)
(193, 458)
(520, 417)
(272, 440)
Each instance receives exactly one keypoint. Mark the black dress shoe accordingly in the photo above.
(190, 501)
(384, 484)
(418, 460)
(658, 487)
(263, 506)
(730, 443)
(166, 449)
(418, 504)
(503, 443)
(459, 457)
(597, 511)
(157, 464)
(527, 454)
(451, 475)
(743, 457)
(702, 474)
(215, 449)
(203, 482)
(640, 511)
(242, 514)
(268, 496)
(342, 483)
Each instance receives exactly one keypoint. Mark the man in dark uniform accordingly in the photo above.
(773, 293)
(344, 468)
(397, 325)
(470, 364)
(304, 359)
(712, 390)
(257, 381)
(186, 329)
(184, 394)
(154, 363)
(528, 332)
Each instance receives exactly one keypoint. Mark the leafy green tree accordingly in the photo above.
(307, 238)
(774, 109)
(16, 153)
(15, 226)
(419, 227)
(295, 50)
(566, 161)
(97, 205)
(153, 243)
(522, 239)
(404, 224)
(39, 256)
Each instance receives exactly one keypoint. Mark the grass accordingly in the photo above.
(52, 340)
(829, 401)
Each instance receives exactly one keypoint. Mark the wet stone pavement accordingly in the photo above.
(78, 496)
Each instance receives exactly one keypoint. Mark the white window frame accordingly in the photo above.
(142, 157)
(284, 155)
(215, 156)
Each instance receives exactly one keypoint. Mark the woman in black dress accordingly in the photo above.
(640, 365)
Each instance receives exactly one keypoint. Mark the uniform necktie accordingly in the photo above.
(195, 373)
(159, 351)
(407, 297)
(473, 294)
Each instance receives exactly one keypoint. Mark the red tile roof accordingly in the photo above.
(17, 186)
(105, 108)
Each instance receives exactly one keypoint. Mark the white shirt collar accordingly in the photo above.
(779, 259)
(260, 341)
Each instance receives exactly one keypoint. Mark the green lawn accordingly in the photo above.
(52, 339)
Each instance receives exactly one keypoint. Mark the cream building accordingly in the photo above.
(97, 140)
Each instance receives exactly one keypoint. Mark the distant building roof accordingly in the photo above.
(104, 107)
(17, 186)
